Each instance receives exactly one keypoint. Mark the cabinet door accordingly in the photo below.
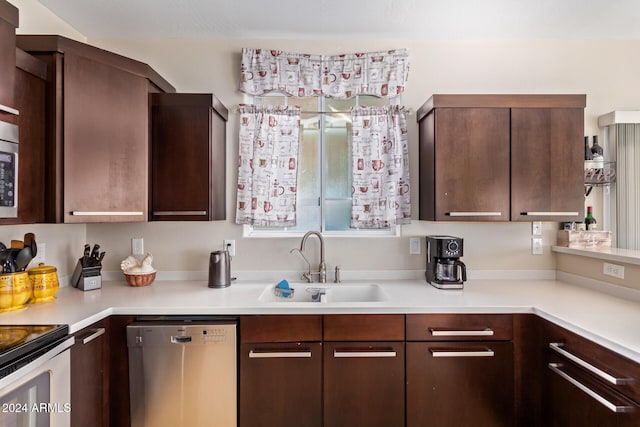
(471, 164)
(30, 100)
(8, 24)
(364, 384)
(460, 384)
(187, 152)
(105, 143)
(547, 173)
(281, 385)
(571, 398)
(89, 381)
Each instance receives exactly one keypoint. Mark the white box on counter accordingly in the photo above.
(584, 239)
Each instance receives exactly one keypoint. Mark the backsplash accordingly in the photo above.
(181, 246)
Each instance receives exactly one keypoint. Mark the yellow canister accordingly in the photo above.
(15, 291)
(44, 279)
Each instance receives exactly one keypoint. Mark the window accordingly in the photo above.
(324, 168)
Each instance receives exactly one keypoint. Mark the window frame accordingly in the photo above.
(253, 232)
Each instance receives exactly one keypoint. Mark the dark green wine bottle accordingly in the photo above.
(589, 220)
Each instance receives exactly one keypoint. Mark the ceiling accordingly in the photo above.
(358, 19)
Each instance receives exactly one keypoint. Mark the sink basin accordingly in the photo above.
(312, 293)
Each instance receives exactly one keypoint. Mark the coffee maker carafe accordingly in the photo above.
(444, 268)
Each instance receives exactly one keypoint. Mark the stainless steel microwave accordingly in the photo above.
(8, 170)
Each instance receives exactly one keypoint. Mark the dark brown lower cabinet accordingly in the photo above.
(364, 384)
(118, 365)
(585, 384)
(572, 398)
(459, 384)
(281, 385)
(280, 371)
(90, 377)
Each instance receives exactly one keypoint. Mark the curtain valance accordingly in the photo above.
(382, 74)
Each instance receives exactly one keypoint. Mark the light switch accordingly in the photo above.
(414, 246)
(536, 246)
(536, 228)
(137, 246)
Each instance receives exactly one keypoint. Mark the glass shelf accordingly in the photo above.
(599, 173)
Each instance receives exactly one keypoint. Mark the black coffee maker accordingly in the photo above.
(444, 268)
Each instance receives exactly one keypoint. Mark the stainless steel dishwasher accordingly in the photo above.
(183, 372)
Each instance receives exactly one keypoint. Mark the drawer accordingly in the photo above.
(459, 327)
(364, 327)
(610, 368)
(280, 328)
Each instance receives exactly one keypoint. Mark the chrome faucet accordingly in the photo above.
(322, 268)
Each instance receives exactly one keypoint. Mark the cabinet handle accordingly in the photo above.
(9, 110)
(178, 213)
(95, 334)
(549, 213)
(436, 352)
(555, 367)
(105, 213)
(257, 354)
(487, 332)
(557, 347)
(365, 353)
(473, 213)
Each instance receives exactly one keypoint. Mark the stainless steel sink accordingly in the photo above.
(324, 294)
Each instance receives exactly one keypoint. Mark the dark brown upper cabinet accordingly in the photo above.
(30, 90)
(188, 140)
(8, 25)
(501, 157)
(97, 163)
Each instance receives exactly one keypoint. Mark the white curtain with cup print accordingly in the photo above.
(268, 165)
(380, 152)
(383, 74)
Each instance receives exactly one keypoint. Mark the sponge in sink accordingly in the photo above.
(283, 289)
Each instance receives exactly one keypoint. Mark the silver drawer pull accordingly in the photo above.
(105, 213)
(278, 354)
(96, 333)
(549, 213)
(364, 353)
(473, 213)
(9, 110)
(557, 347)
(461, 333)
(180, 339)
(461, 353)
(177, 213)
(555, 367)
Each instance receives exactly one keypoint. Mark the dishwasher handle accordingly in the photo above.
(180, 339)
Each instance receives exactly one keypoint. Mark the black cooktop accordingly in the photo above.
(20, 344)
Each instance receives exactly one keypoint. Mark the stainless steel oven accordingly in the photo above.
(35, 376)
(8, 170)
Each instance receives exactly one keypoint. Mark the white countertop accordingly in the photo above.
(606, 319)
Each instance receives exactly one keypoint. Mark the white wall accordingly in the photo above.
(604, 70)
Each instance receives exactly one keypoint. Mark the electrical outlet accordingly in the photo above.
(230, 246)
(536, 228)
(613, 270)
(41, 255)
(536, 246)
(414, 246)
(137, 246)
